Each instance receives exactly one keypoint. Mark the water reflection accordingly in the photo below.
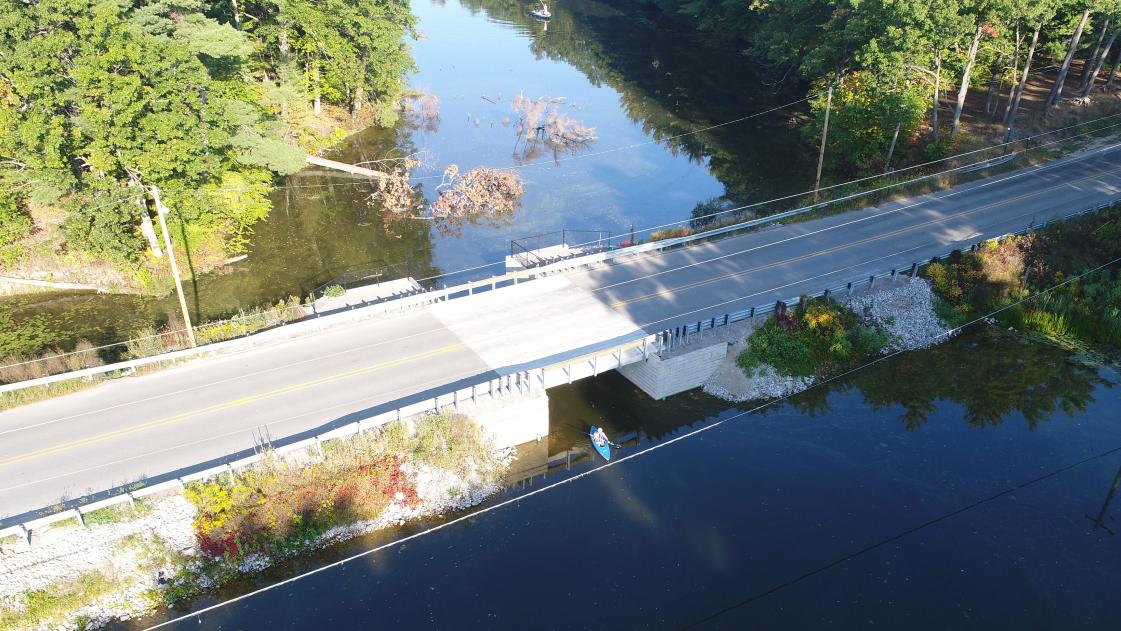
(673, 80)
(990, 375)
(769, 521)
(1100, 520)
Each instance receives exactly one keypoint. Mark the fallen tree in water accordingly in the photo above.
(463, 198)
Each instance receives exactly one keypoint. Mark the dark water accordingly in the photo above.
(625, 69)
(960, 488)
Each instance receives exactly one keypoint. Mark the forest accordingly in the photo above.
(902, 70)
(208, 100)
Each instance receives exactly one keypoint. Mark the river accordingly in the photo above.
(625, 69)
(966, 486)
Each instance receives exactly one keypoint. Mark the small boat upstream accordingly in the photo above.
(541, 13)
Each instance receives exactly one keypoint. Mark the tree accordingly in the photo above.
(865, 115)
(98, 99)
(982, 14)
(1040, 14)
(1060, 78)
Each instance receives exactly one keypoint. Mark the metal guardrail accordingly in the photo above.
(76, 509)
(375, 308)
(525, 380)
(679, 336)
(666, 340)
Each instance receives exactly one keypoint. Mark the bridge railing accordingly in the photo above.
(551, 372)
(685, 334)
(523, 379)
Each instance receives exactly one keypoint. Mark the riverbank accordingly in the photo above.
(128, 561)
(903, 312)
(1059, 283)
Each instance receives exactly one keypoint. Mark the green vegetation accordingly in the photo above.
(16, 398)
(151, 342)
(1081, 313)
(54, 604)
(21, 367)
(334, 291)
(902, 69)
(820, 339)
(990, 374)
(208, 101)
(277, 507)
(117, 513)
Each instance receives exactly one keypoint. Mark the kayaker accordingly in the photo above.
(599, 437)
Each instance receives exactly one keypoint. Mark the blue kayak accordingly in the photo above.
(604, 449)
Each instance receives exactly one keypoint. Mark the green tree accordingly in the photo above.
(99, 99)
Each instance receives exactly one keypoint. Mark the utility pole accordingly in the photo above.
(891, 151)
(162, 210)
(824, 135)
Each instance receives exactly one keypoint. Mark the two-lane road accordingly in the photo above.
(133, 428)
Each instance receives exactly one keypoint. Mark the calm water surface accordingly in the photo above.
(629, 72)
(965, 487)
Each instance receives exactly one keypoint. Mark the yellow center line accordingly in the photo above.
(225, 406)
(830, 250)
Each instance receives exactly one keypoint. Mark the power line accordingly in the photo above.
(811, 233)
(851, 196)
(893, 185)
(617, 462)
(589, 271)
(900, 535)
(808, 97)
(514, 167)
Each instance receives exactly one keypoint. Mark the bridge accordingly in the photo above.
(562, 323)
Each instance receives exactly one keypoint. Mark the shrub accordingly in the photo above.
(671, 233)
(820, 339)
(17, 368)
(277, 503)
(334, 291)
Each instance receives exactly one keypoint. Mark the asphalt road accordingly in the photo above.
(136, 428)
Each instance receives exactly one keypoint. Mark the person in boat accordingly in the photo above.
(599, 437)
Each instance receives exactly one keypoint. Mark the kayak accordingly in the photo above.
(605, 449)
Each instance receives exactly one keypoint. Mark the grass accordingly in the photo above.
(828, 208)
(148, 344)
(56, 603)
(118, 513)
(1082, 315)
(14, 368)
(16, 398)
(9, 540)
(152, 342)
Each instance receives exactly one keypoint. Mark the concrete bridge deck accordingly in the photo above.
(128, 429)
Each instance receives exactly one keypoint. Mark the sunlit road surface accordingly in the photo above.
(129, 429)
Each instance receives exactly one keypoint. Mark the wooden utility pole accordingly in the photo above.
(162, 211)
(824, 135)
(891, 150)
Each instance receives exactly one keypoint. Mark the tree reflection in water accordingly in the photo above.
(993, 375)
